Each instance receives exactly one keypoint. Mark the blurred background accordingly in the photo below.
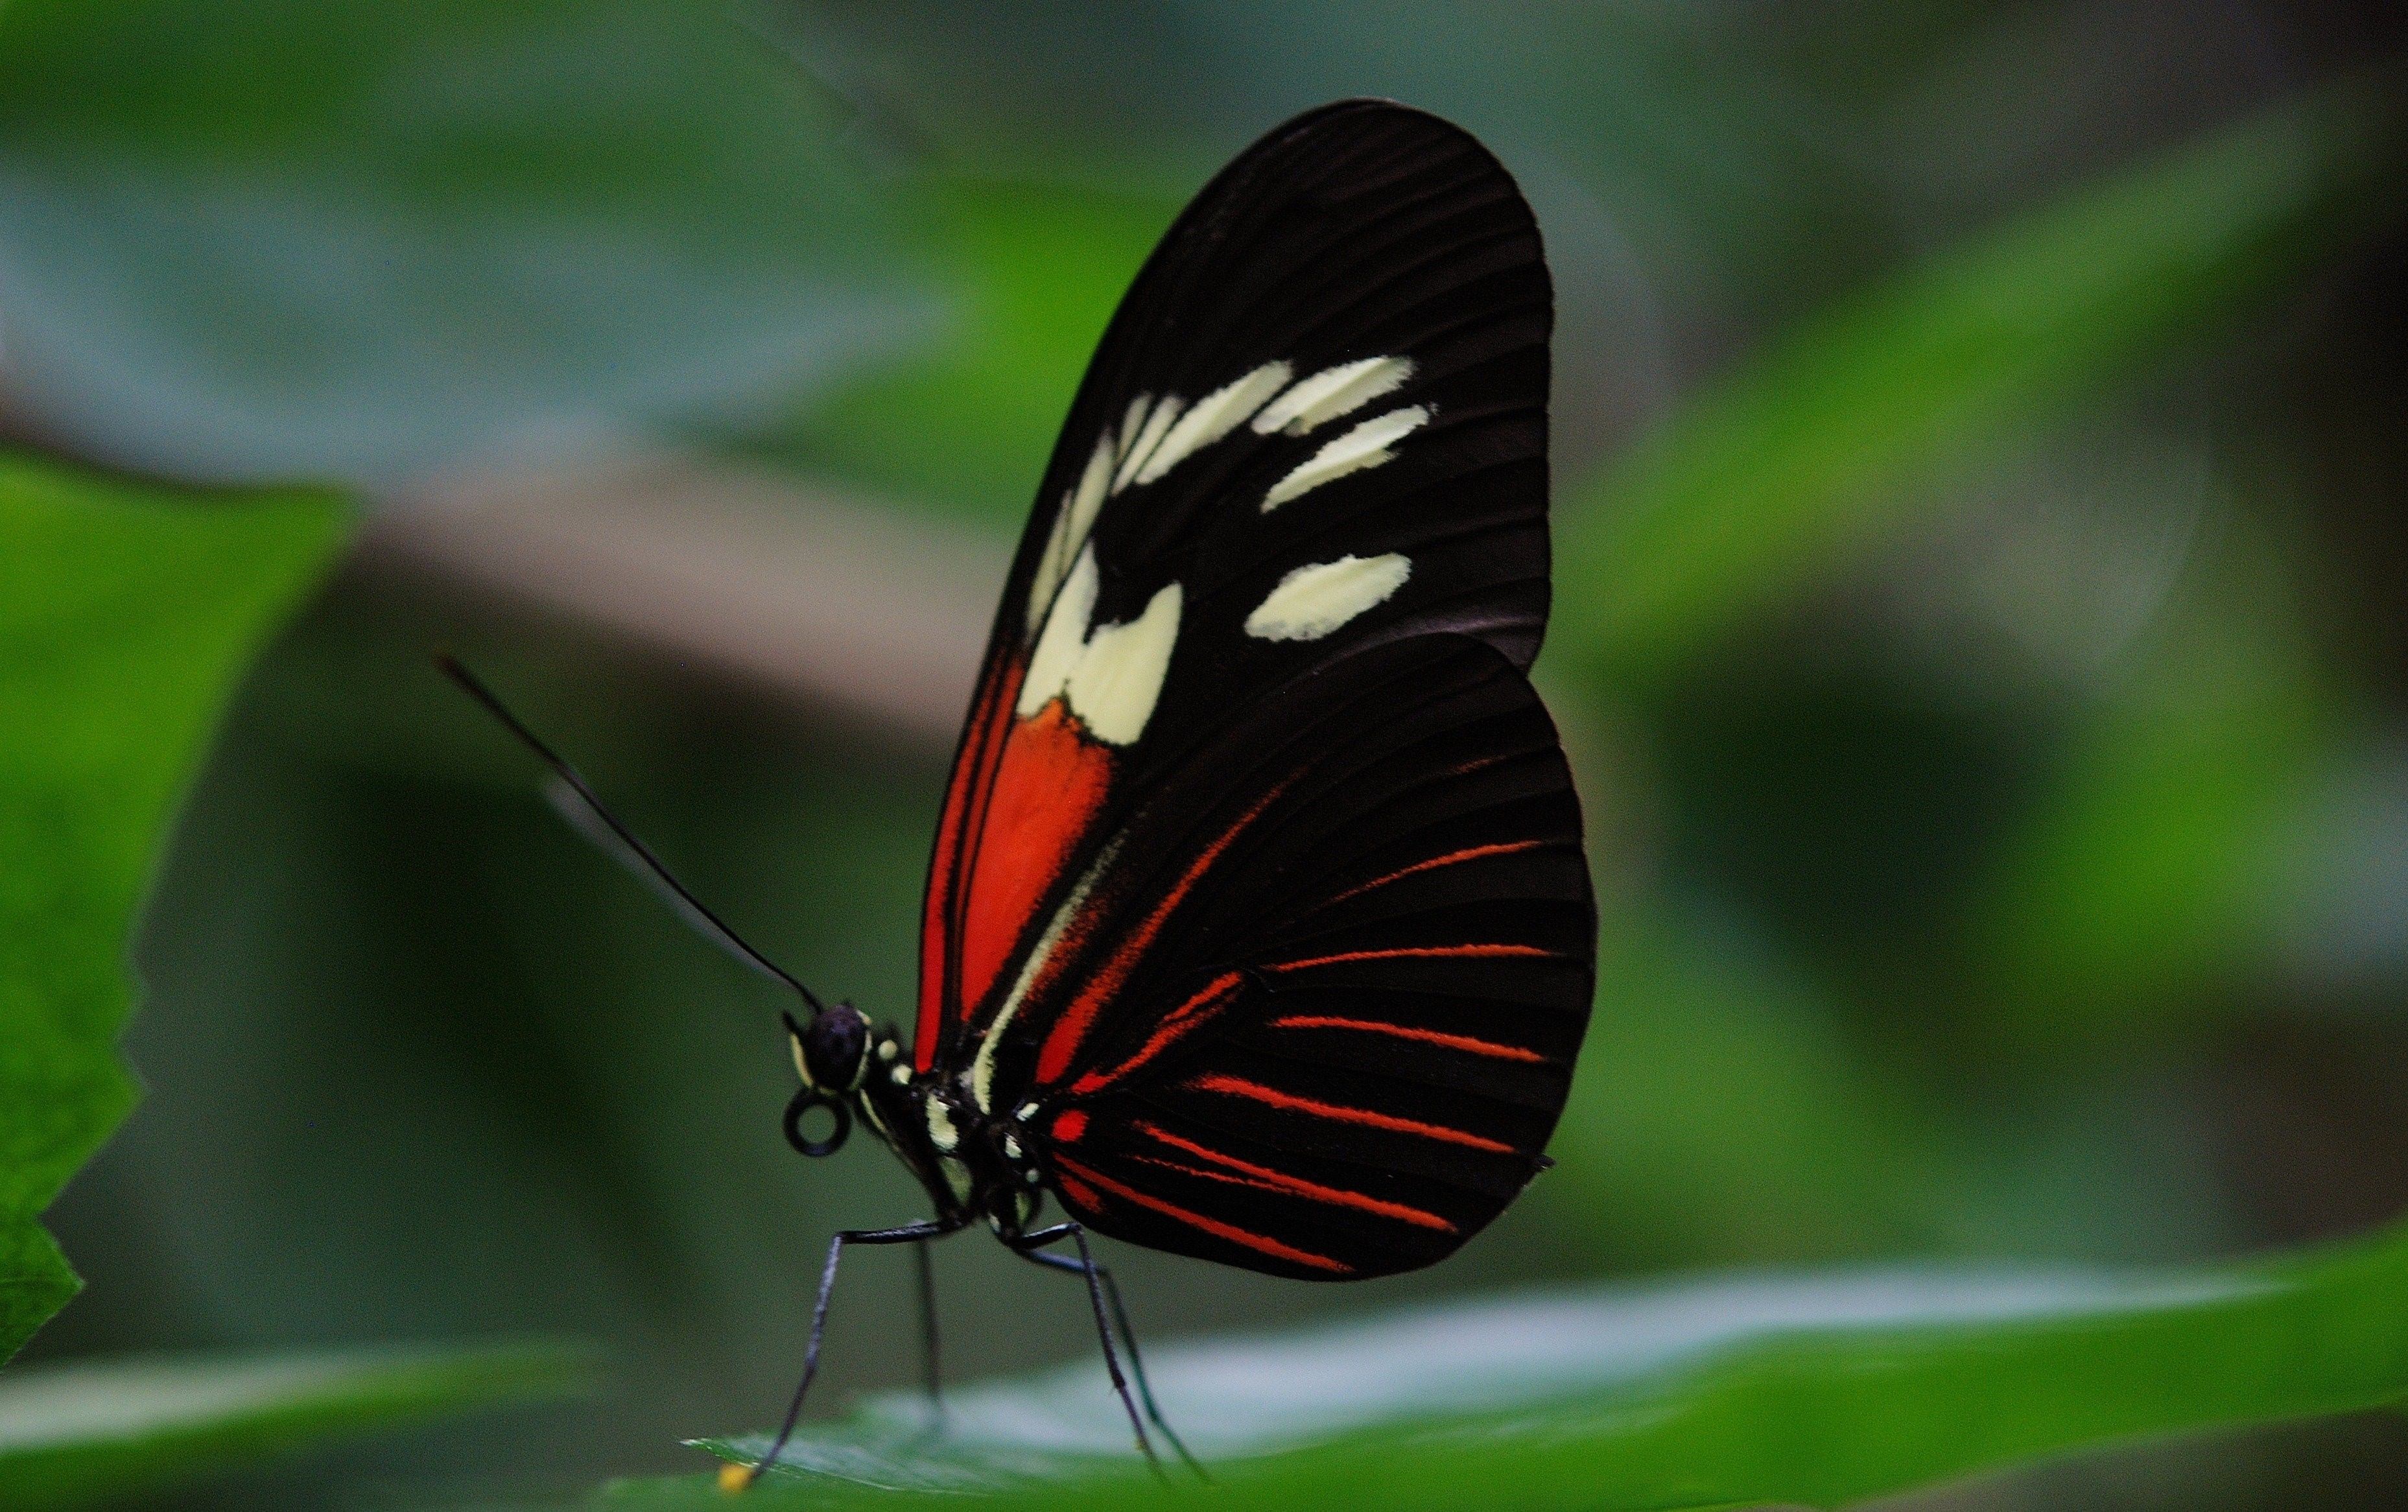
(1979, 463)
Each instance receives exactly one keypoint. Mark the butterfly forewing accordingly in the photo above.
(1257, 888)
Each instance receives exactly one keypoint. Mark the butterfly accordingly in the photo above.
(1258, 927)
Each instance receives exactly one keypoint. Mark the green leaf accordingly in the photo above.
(125, 617)
(268, 237)
(1717, 1114)
(74, 1433)
(1813, 449)
(1033, 270)
(2161, 861)
(1820, 1389)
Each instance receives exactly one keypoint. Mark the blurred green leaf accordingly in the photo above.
(247, 238)
(125, 617)
(78, 1433)
(1807, 452)
(1718, 1113)
(2163, 859)
(1814, 1389)
(1033, 271)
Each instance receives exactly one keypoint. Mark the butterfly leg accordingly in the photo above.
(927, 1266)
(909, 1233)
(1101, 1278)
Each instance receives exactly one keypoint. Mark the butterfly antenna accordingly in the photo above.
(575, 799)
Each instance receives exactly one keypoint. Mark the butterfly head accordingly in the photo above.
(832, 1057)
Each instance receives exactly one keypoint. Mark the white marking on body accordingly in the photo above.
(1071, 524)
(941, 1132)
(802, 1067)
(1147, 439)
(1311, 602)
(1365, 446)
(1214, 415)
(900, 1075)
(983, 1067)
(1110, 675)
(1027, 1111)
(1333, 392)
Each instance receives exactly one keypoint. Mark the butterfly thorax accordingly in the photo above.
(975, 1166)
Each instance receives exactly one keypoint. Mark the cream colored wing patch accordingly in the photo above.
(1312, 601)
(1110, 675)
(1333, 392)
(1367, 445)
(1214, 415)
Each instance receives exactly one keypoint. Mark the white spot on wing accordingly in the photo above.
(1129, 423)
(1147, 439)
(1312, 601)
(1365, 446)
(1109, 674)
(1071, 524)
(1063, 639)
(1119, 679)
(1215, 415)
(1333, 392)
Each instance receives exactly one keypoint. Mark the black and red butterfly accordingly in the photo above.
(1258, 927)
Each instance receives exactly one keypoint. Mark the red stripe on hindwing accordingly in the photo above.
(1176, 1025)
(1469, 853)
(1416, 953)
(1063, 1040)
(1265, 1178)
(1364, 1117)
(1078, 1183)
(1406, 1032)
(1079, 1192)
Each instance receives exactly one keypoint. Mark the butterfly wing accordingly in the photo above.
(1316, 423)
(1314, 1010)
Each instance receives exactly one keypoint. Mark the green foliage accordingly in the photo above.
(1810, 451)
(278, 237)
(1032, 271)
(125, 617)
(1819, 1390)
(75, 1434)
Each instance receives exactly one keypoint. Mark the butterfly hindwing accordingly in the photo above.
(1323, 996)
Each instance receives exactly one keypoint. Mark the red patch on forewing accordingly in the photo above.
(965, 789)
(1176, 1025)
(1366, 1118)
(1069, 1125)
(1265, 1178)
(1407, 1032)
(1078, 1183)
(1049, 779)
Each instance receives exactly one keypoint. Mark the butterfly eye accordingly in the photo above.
(800, 1108)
